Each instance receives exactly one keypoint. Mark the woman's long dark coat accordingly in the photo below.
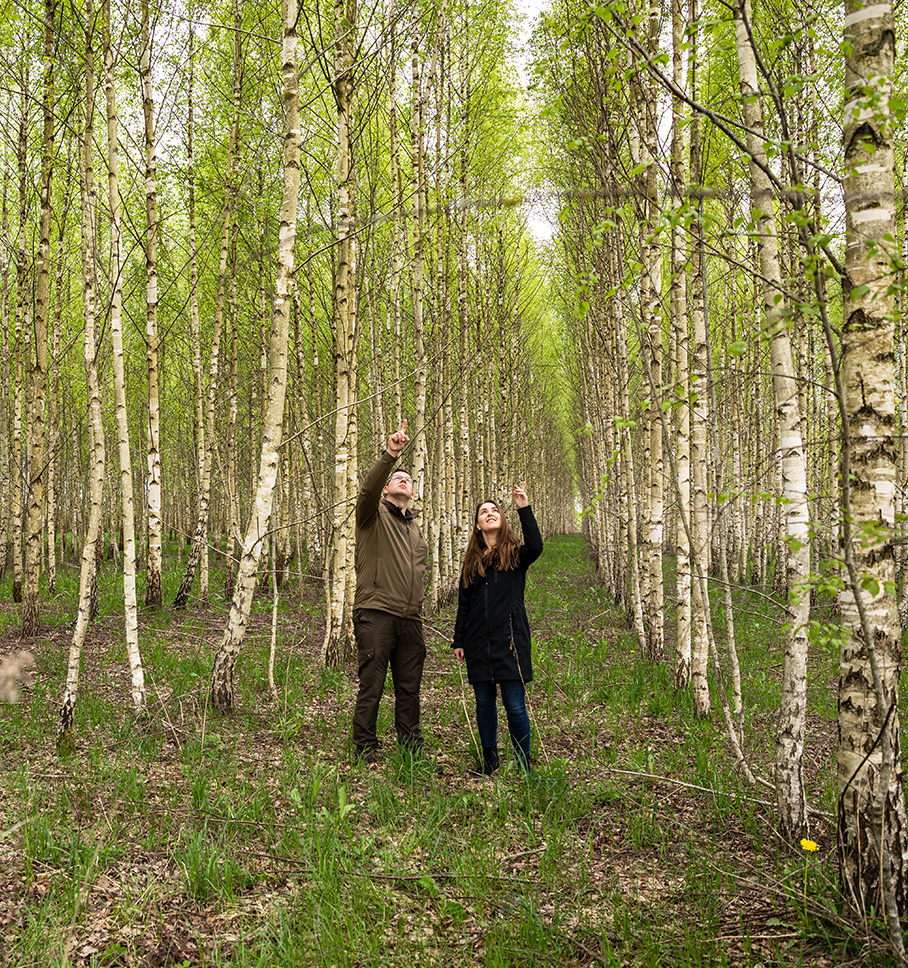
(492, 626)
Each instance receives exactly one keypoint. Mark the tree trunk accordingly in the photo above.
(222, 673)
(699, 396)
(55, 432)
(22, 305)
(5, 490)
(233, 476)
(681, 327)
(88, 574)
(153, 588)
(635, 592)
(338, 633)
(651, 337)
(200, 534)
(37, 469)
(795, 550)
(873, 828)
(195, 325)
(116, 333)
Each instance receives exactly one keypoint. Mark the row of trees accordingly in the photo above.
(736, 284)
(299, 241)
(308, 231)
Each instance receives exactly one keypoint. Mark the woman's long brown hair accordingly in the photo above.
(478, 556)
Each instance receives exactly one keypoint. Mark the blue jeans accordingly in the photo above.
(513, 695)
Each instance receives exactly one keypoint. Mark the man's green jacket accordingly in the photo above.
(390, 550)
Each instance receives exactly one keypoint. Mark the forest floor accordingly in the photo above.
(189, 838)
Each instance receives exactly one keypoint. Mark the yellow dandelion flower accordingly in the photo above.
(810, 845)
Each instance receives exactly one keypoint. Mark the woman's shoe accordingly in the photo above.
(489, 760)
(489, 763)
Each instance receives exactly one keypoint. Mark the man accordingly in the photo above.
(390, 570)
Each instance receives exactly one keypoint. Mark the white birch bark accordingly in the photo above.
(721, 526)
(38, 470)
(5, 489)
(629, 484)
(200, 534)
(55, 432)
(418, 192)
(339, 630)
(795, 550)
(699, 456)
(377, 398)
(651, 312)
(153, 503)
(272, 436)
(310, 498)
(233, 476)
(901, 479)
(96, 429)
(21, 327)
(116, 333)
(195, 324)
(464, 464)
(282, 517)
(449, 568)
(681, 327)
(873, 828)
(398, 202)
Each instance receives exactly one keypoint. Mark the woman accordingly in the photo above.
(492, 634)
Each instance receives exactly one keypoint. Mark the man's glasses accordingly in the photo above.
(403, 478)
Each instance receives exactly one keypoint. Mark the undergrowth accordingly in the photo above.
(189, 838)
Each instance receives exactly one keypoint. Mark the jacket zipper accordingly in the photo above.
(412, 565)
(485, 592)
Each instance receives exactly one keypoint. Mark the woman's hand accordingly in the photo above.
(520, 495)
(458, 654)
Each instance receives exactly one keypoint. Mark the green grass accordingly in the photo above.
(192, 838)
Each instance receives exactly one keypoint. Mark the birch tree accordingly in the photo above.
(681, 328)
(339, 629)
(873, 827)
(699, 404)
(5, 488)
(127, 503)
(153, 589)
(95, 427)
(791, 800)
(651, 315)
(200, 534)
(419, 192)
(272, 431)
(21, 327)
(37, 469)
(56, 435)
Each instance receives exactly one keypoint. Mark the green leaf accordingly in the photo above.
(427, 883)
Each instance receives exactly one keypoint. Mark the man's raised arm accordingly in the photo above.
(371, 491)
